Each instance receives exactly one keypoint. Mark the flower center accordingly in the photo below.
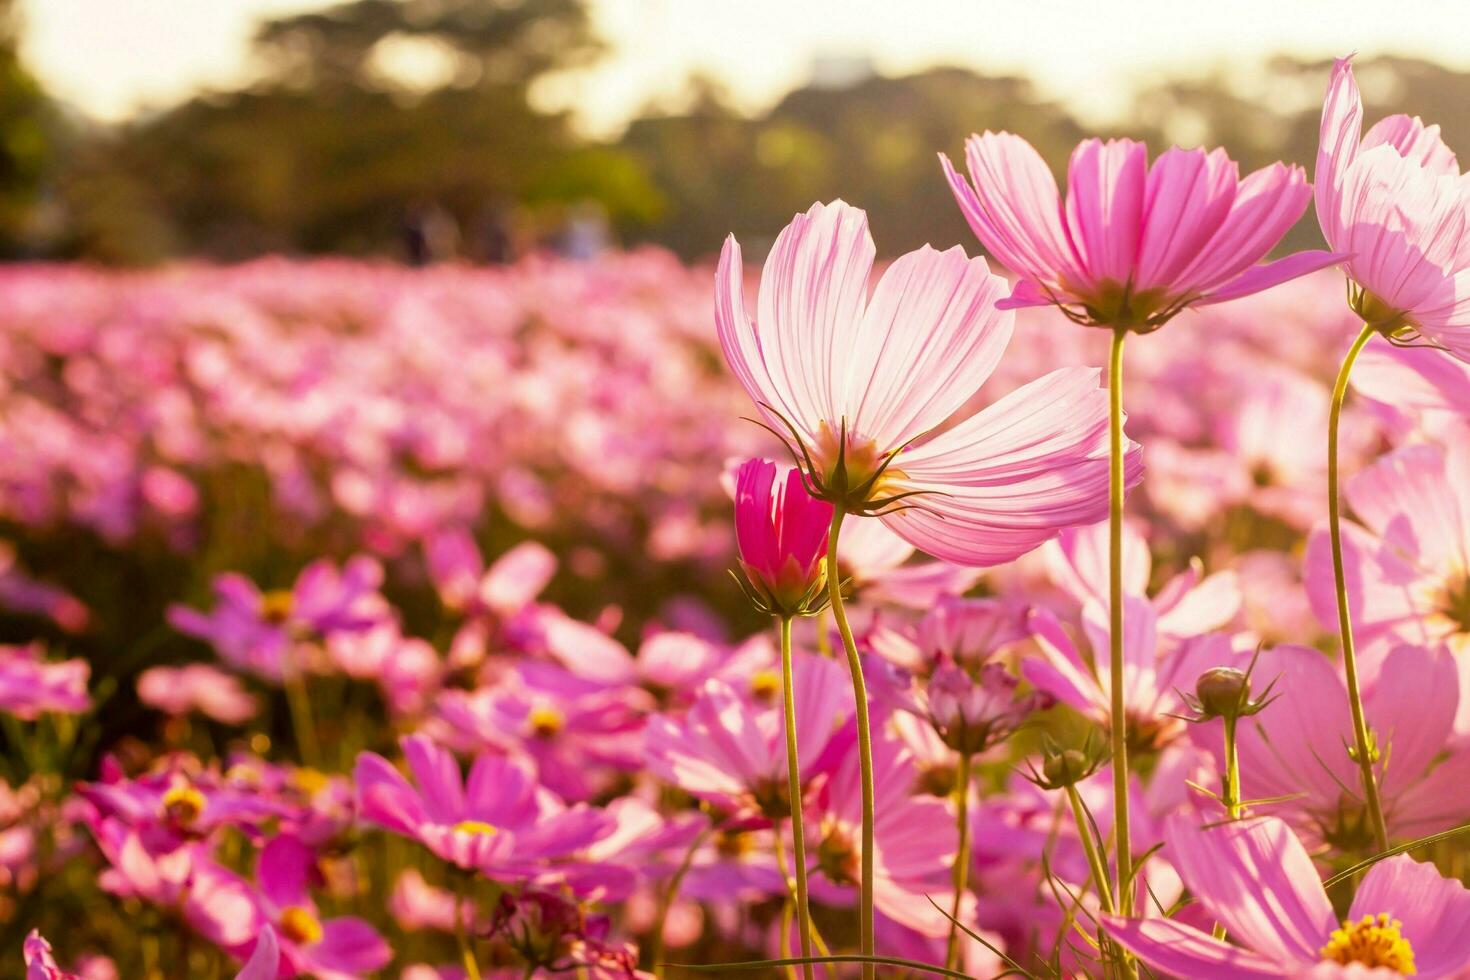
(476, 827)
(309, 781)
(1374, 940)
(765, 685)
(300, 926)
(838, 857)
(1455, 604)
(546, 722)
(854, 471)
(276, 605)
(183, 804)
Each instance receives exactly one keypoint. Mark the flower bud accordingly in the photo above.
(781, 532)
(1067, 768)
(1223, 692)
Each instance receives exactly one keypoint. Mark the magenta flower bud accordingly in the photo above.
(781, 531)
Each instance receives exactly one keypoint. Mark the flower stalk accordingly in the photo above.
(1363, 751)
(793, 786)
(961, 859)
(1119, 734)
(865, 743)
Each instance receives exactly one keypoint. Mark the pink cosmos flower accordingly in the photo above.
(1189, 604)
(261, 631)
(332, 949)
(40, 964)
(499, 821)
(1133, 245)
(177, 803)
(915, 839)
(782, 537)
(1408, 561)
(1296, 747)
(196, 687)
(852, 382)
(1256, 879)
(579, 734)
(731, 751)
(1155, 669)
(467, 586)
(1394, 201)
(30, 686)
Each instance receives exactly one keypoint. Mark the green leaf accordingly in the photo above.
(838, 958)
(1342, 876)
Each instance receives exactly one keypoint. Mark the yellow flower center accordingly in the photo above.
(183, 804)
(546, 722)
(300, 926)
(276, 605)
(765, 685)
(1374, 940)
(476, 827)
(310, 781)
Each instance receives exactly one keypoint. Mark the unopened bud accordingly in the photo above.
(1223, 692)
(1067, 768)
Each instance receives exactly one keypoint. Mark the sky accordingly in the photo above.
(112, 58)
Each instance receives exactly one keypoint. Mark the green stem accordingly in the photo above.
(666, 902)
(1094, 856)
(865, 743)
(461, 935)
(1119, 734)
(1115, 620)
(299, 701)
(793, 788)
(1344, 614)
(1232, 769)
(961, 860)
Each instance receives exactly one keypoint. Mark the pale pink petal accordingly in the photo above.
(265, 960)
(1210, 605)
(517, 577)
(1012, 475)
(1105, 205)
(1415, 142)
(1342, 122)
(1262, 277)
(1060, 669)
(1013, 206)
(812, 293)
(1183, 951)
(1077, 561)
(1411, 709)
(1434, 910)
(436, 770)
(1188, 197)
(930, 337)
(1406, 500)
(1297, 744)
(1380, 585)
(1256, 878)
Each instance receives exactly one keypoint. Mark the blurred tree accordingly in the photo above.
(367, 114)
(29, 127)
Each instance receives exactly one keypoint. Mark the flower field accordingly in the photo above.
(371, 621)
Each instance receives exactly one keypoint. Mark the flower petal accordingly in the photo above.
(1183, 951)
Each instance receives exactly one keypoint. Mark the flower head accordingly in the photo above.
(850, 383)
(781, 531)
(1133, 245)
(1256, 879)
(1394, 200)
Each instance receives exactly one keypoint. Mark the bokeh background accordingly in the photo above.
(137, 131)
